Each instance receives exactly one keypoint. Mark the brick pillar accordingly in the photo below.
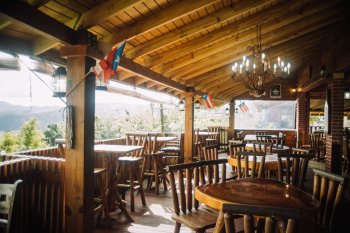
(303, 115)
(335, 125)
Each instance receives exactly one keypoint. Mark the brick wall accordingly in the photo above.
(303, 112)
(335, 131)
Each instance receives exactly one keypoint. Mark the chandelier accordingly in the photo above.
(255, 71)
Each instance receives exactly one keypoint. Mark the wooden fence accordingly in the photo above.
(42, 196)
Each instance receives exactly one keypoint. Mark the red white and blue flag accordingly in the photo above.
(243, 107)
(209, 102)
(108, 66)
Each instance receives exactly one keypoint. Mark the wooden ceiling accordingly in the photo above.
(174, 46)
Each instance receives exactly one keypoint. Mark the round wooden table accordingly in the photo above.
(256, 191)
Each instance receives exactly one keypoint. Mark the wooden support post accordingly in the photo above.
(79, 165)
(189, 110)
(231, 129)
(303, 111)
(334, 144)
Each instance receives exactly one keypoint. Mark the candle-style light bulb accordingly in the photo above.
(233, 68)
(262, 57)
(240, 68)
(247, 65)
(244, 57)
(274, 67)
(278, 61)
(282, 64)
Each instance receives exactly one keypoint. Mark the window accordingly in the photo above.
(263, 114)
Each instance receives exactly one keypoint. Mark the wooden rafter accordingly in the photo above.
(158, 19)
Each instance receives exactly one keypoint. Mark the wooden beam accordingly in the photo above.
(156, 20)
(79, 165)
(196, 26)
(273, 38)
(189, 118)
(38, 21)
(4, 21)
(139, 70)
(43, 44)
(99, 13)
(239, 37)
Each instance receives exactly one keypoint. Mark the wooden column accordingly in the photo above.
(231, 129)
(79, 180)
(303, 115)
(188, 142)
(335, 100)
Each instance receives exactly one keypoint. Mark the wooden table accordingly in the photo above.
(255, 191)
(252, 138)
(271, 162)
(275, 149)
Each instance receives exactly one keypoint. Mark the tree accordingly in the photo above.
(31, 136)
(9, 142)
(51, 133)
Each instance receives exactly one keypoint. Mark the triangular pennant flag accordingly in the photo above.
(209, 102)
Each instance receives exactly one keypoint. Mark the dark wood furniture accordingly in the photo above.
(346, 151)
(210, 152)
(252, 167)
(187, 209)
(172, 150)
(256, 191)
(10, 195)
(329, 190)
(100, 200)
(213, 137)
(270, 218)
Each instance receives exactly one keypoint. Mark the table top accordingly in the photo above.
(256, 191)
(164, 139)
(116, 148)
(271, 161)
(249, 146)
(252, 137)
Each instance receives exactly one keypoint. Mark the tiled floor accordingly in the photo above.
(156, 216)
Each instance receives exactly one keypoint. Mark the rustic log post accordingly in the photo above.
(189, 111)
(79, 164)
(231, 129)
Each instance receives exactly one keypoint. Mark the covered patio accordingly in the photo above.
(221, 51)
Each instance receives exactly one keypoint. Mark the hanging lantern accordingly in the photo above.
(197, 104)
(182, 105)
(59, 82)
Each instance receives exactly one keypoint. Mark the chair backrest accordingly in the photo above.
(329, 191)
(262, 147)
(260, 132)
(191, 175)
(236, 147)
(210, 152)
(9, 198)
(292, 167)
(253, 164)
(271, 215)
(137, 139)
(152, 143)
(263, 138)
(213, 132)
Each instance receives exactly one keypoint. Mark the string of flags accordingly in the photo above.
(108, 66)
(243, 107)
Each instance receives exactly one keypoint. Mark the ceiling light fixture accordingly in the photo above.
(256, 72)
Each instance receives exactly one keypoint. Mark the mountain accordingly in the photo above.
(12, 117)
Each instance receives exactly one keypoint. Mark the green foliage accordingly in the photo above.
(51, 133)
(30, 135)
(9, 142)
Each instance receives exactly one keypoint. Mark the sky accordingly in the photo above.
(25, 88)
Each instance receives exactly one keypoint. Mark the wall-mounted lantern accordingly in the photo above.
(59, 82)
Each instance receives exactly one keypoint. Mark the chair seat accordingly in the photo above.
(197, 220)
(129, 159)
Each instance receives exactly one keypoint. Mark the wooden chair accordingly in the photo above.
(292, 167)
(329, 190)
(260, 132)
(187, 209)
(234, 148)
(129, 169)
(9, 204)
(346, 151)
(265, 147)
(101, 203)
(153, 168)
(210, 152)
(198, 147)
(253, 167)
(213, 137)
(263, 138)
(172, 150)
(272, 218)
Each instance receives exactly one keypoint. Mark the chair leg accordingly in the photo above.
(132, 188)
(177, 227)
(141, 191)
(156, 177)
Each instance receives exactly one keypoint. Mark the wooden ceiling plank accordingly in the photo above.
(133, 67)
(223, 33)
(4, 21)
(100, 13)
(160, 18)
(140, 80)
(194, 27)
(274, 38)
(43, 44)
(237, 38)
(38, 21)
